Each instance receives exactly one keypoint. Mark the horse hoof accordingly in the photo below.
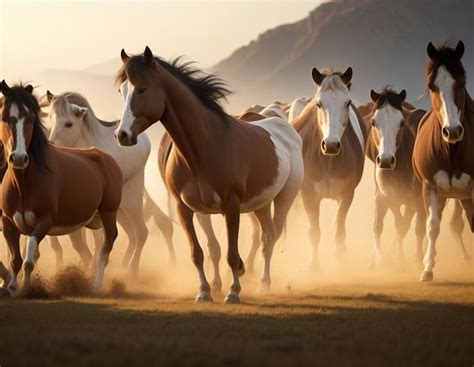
(4, 293)
(203, 297)
(232, 299)
(426, 276)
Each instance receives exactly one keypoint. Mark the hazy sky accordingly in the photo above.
(38, 35)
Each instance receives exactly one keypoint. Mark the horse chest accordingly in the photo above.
(331, 187)
(387, 184)
(460, 186)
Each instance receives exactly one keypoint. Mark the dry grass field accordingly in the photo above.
(407, 324)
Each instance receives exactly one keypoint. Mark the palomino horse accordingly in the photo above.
(217, 164)
(48, 190)
(390, 146)
(444, 147)
(334, 138)
(75, 125)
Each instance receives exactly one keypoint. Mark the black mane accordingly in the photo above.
(388, 96)
(209, 88)
(38, 148)
(445, 56)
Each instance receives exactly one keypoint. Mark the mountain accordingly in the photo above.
(384, 42)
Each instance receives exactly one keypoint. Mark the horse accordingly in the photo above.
(394, 123)
(444, 146)
(217, 164)
(50, 190)
(75, 125)
(275, 109)
(296, 107)
(334, 137)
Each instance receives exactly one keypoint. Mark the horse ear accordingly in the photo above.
(29, 88)
(347, 76)
(431, 51)
(148, 56)
(374, 96)
(123, 55)
(402, 95)
(78, 110)
(4, 88)
(317, 76)
(459, 49)
(49, 96)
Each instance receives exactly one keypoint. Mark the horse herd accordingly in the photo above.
(75, 175)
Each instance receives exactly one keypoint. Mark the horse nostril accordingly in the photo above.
(26, 159)
(323, 145)
(393, 161)
(460, 130)
(378, 160)
(123, 135)
(338, 146)
(445, 132)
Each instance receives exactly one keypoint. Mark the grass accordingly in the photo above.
(409, 324)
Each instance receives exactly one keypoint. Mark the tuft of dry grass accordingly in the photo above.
(72, 281)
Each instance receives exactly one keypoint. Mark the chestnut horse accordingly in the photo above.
(48, 190)
(217, 164)
(334, 137)
(444, 147)
(390, 147)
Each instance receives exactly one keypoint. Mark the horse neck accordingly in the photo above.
(96, 135)
(191, 125)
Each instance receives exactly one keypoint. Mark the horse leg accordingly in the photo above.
(312, 204)
(434, 205)
(402, 224)
(268, 237)
(213, 247)
(126, 223)
(232, 220)
(80, 245)
(165, 225)
(98, 237)
(457, 227)
(381, 209)
(186, 218)
(250, 262)
(341, 216)
(12, 236)
(109, 222)
(140, 234)
(58, 250)
(420, 231)
(4, 275)
(41, 230)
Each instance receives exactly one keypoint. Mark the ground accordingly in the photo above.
(409, 324)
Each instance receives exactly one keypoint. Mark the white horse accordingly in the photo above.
(74, 124)
(275, 109)
(297, 106)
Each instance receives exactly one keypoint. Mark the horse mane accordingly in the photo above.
(39, 145)
(61, 104)
(333, 81)
(209, 88)
(445, 56)
(388, 96)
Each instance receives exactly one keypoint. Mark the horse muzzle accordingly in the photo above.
(385, 161)
(18, 160)
(452, 134)
(331, 147)
(125, 138)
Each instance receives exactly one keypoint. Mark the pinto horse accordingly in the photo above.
(217, 164)
(444, 147)
(390, 147)
(48, 190)
(334, 139)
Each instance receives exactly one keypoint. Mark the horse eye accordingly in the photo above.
(141, 90)
(68, 124)
(373, 123)
(318, 104)
(402, 123)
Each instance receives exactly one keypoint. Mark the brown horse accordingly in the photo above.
(390, 147)
(334, 138)
(49, 190)
(444, 147)
(217, 164)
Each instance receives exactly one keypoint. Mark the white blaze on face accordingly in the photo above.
(126, 89)
(445, 84)
(334, 108)
(387, 122)
(19, 138)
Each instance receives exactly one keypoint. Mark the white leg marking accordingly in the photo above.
(433, 231)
